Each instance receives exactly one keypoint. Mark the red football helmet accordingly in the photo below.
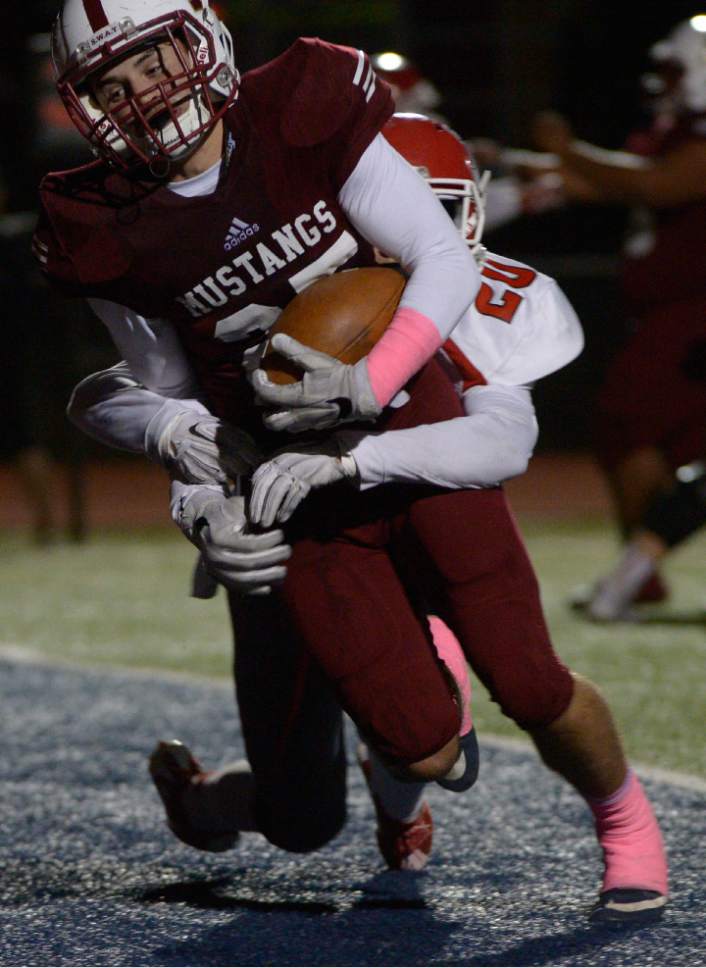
(445, 162)
(169, 120)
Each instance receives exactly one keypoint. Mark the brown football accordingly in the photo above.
(343, 315)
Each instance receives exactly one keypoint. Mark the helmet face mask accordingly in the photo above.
(442, 159)
(195, 79)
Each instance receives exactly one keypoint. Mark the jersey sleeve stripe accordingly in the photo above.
(359, 68)
(369, 86)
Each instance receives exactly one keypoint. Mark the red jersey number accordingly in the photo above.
(505, 302)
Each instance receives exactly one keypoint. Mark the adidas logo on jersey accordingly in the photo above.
(238, 232)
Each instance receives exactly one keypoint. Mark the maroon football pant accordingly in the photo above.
(649, 399)
(457, 554)
(292, 726)
(347, 630)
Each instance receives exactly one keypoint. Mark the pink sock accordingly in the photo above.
(632, 845)
(451, 654)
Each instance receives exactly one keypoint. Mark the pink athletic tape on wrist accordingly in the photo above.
(631, 840)
(408, 342)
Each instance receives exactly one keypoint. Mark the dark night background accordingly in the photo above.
(496, 64)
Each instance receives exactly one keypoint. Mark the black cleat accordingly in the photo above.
(628, 905)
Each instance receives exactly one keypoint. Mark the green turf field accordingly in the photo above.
(120, 599)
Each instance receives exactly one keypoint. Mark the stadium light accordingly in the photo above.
(389, 61)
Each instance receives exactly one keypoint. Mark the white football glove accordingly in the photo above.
(281, 484)
(246, 563)
(199, 448)
(330, 392)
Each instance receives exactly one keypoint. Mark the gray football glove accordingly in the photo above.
(281, 484)
(330, 392)
(246, 563)
(198, 448)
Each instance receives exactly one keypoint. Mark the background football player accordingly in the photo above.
(651, 413)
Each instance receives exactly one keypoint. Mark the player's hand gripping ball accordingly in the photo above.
(313, 372)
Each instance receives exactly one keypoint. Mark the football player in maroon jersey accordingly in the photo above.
(651, 415)
(215, 200)
(166, 421)
(303, 184)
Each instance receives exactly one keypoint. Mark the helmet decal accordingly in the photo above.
(96, 14)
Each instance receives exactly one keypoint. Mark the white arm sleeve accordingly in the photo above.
(112, 407)
(151, 348)
(394, 208)
(493, 443)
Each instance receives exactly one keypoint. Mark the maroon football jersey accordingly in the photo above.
(222, 266)
(665, 257)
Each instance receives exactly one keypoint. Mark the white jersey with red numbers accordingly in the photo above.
(520, 328)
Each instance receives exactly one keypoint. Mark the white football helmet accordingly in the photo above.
(167, 121)
(684, 47)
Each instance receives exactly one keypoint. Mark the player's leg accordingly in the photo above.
(583, 746)
(348, 605)
(292, 787)
(292, 726)
(405, 828)
(404, 822)
(650, 419)
(482, 581)
(634, 481)
(670, 519)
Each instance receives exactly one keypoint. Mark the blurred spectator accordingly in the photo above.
(651, 409)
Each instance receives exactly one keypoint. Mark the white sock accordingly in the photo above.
(616, 592)
(398, 798)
